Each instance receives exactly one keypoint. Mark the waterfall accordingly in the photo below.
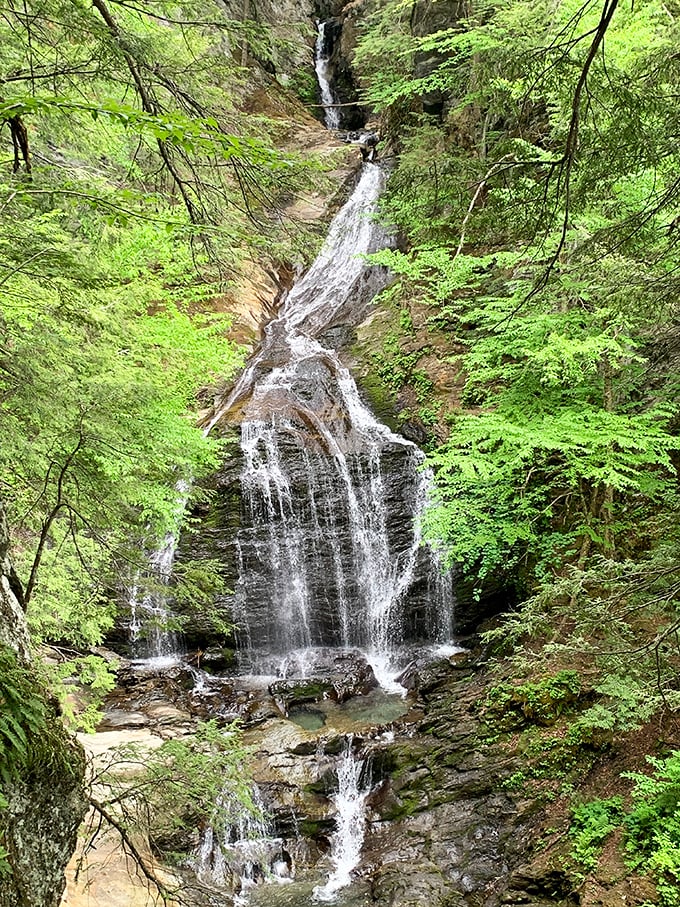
(243, 854)
(151, 635)
(150, 616)
(329, 547)
(348, 838)
(324, 74)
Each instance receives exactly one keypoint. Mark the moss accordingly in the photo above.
(402, 807)
(314, 828)
(293, 693)
(541, 702)
(42, 802)
(382, 399)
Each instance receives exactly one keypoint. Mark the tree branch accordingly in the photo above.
(102, 810)
(149, 105)
(52, 515)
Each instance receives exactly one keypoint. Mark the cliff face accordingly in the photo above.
(42, 799)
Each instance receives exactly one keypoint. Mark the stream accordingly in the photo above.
(336, 594)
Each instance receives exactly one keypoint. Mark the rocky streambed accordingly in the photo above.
(437, 821)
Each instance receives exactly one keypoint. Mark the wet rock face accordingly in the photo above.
(337, 676)
(171, 700)
(342, 81)
(427, 18)
(445, 833)
(316, 539)
(441, 829)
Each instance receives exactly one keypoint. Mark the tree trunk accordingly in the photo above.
(244, 46)
(607, 507)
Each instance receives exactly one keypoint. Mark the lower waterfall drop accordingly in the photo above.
(348, 838)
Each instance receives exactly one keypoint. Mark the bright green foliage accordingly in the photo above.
(618, 618)
(138, 190)
(80, 683)
(540, 702)
(591, 825)
(140, 102)
(98, 371)
(549, 262)
(106, 340)
(653, 825)
(540, 207)
(532, 471)
(184, 784)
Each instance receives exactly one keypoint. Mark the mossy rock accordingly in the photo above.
(297, 692)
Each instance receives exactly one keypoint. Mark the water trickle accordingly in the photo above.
(244, 854)
(348, 838)
(324, 74)
(151, 633)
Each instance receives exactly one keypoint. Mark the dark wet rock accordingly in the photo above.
(425, 674)
(541, 883)
(354, 677)
(427, 18)
(290, 693)
(148, 680)
(409, 677)
(342, 80)
(257, 710)
(337, 676)
(477, 602)
(181, 695)
(339, 336)
(218, 660)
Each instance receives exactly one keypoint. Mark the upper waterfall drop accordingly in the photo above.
(324, 73)
(329, 547)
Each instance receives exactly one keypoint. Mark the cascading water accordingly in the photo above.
(329, 557)
(329, 547)
(348, 838)
(324, 74)
(243, 854)
(150, 618)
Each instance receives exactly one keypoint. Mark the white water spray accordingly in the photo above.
(150, 614)
(244, 854)
(348, 838)
(324, 73)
